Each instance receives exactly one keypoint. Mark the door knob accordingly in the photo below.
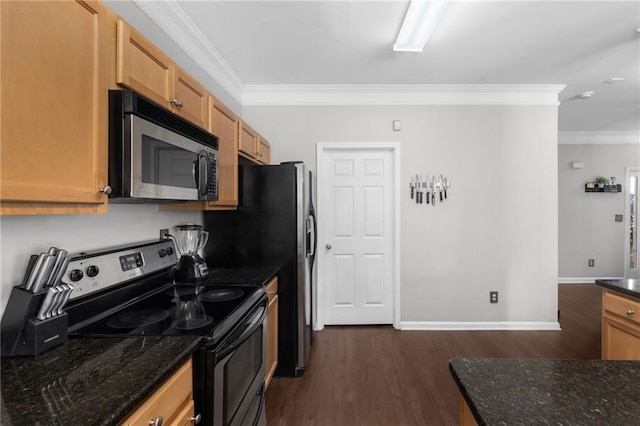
(328, 246)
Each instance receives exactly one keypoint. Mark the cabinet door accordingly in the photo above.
(272, 331)
(186, 416)
(264, 150)
(169, 401)
(248, 141)
(142, 67)
(190, 99)
(620, 339)
(53, 104)
(224, 124)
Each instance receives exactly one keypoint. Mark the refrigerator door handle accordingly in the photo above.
(311, 230)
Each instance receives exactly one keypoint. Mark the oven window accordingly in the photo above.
(241, 371)
(166, 164)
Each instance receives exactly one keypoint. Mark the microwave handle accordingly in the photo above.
(201, 172)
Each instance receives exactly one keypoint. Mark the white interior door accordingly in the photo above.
(632, 204)
(357, 229)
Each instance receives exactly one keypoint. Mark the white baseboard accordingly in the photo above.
(585, 280)
(466, 326)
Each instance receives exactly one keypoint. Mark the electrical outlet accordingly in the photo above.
(164, 234)
(493, 297)
(592, 263)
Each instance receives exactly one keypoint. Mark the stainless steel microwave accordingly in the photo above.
(155, 155)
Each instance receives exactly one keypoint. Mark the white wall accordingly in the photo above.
(498, 229)
(586, 220)
(21, 236)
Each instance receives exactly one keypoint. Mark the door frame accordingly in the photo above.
(629, 170)
(323, 148)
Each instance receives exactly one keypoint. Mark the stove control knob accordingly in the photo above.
(92, 271)
(162, 252)
(76, 275)
(169, 251)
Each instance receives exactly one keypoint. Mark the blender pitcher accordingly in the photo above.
(190, 238)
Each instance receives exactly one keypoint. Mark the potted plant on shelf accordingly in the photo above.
(601, 181)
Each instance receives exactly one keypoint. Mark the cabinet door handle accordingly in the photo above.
(156, 422)
(630, 312)
(107, 190)
(177, 102)
(196, 419)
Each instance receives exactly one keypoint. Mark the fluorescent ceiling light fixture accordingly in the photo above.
(420, 21)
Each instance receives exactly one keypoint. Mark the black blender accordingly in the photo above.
(190, 238)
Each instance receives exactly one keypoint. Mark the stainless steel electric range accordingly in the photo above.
(129, 291)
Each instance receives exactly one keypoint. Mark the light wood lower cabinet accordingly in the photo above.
(466, 417)
(173, 401)
(53, 119)
(620, 326)
(272, 330)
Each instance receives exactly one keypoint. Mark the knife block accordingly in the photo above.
(22, 332)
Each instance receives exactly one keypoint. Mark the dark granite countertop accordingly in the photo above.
(630, 287)
(256, 275)
(99, 381)
(549, 392)
(88, 381)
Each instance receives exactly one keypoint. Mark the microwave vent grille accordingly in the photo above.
(152, 112)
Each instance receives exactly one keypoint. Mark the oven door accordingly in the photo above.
(235, 391)
(166, 165)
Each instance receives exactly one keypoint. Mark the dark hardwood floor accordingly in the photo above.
(375, 375)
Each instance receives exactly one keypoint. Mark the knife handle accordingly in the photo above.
(51, 292)
(33, 274)
(30, 265)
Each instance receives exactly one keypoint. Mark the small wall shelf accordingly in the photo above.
(592, 187)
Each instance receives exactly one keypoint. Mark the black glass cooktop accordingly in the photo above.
(201, 310)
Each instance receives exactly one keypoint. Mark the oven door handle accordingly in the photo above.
(255, 322)
(258, 418)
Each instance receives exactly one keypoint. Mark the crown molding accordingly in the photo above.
(169, 16)
(401, 94)
(599, 137)
(174, 22)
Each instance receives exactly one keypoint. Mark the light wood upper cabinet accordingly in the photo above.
(191, 99)
(620, 326)
(248, 141)
(253, 146)
(224, 124)
(144, 68)
(53, 107)
(264, 150)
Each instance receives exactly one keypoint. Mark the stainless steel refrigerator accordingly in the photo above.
(274, 225)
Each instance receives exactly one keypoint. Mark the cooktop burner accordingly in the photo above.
(221, 295)
(141, 318)
(192, 323)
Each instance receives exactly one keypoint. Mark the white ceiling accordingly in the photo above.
(579, 44)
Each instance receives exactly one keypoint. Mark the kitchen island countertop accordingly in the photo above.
(88, 381)
(548, 391)
(626, 286)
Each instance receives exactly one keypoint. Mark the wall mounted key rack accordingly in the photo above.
(427, 189)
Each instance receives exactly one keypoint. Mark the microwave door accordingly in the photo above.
(164, 163)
